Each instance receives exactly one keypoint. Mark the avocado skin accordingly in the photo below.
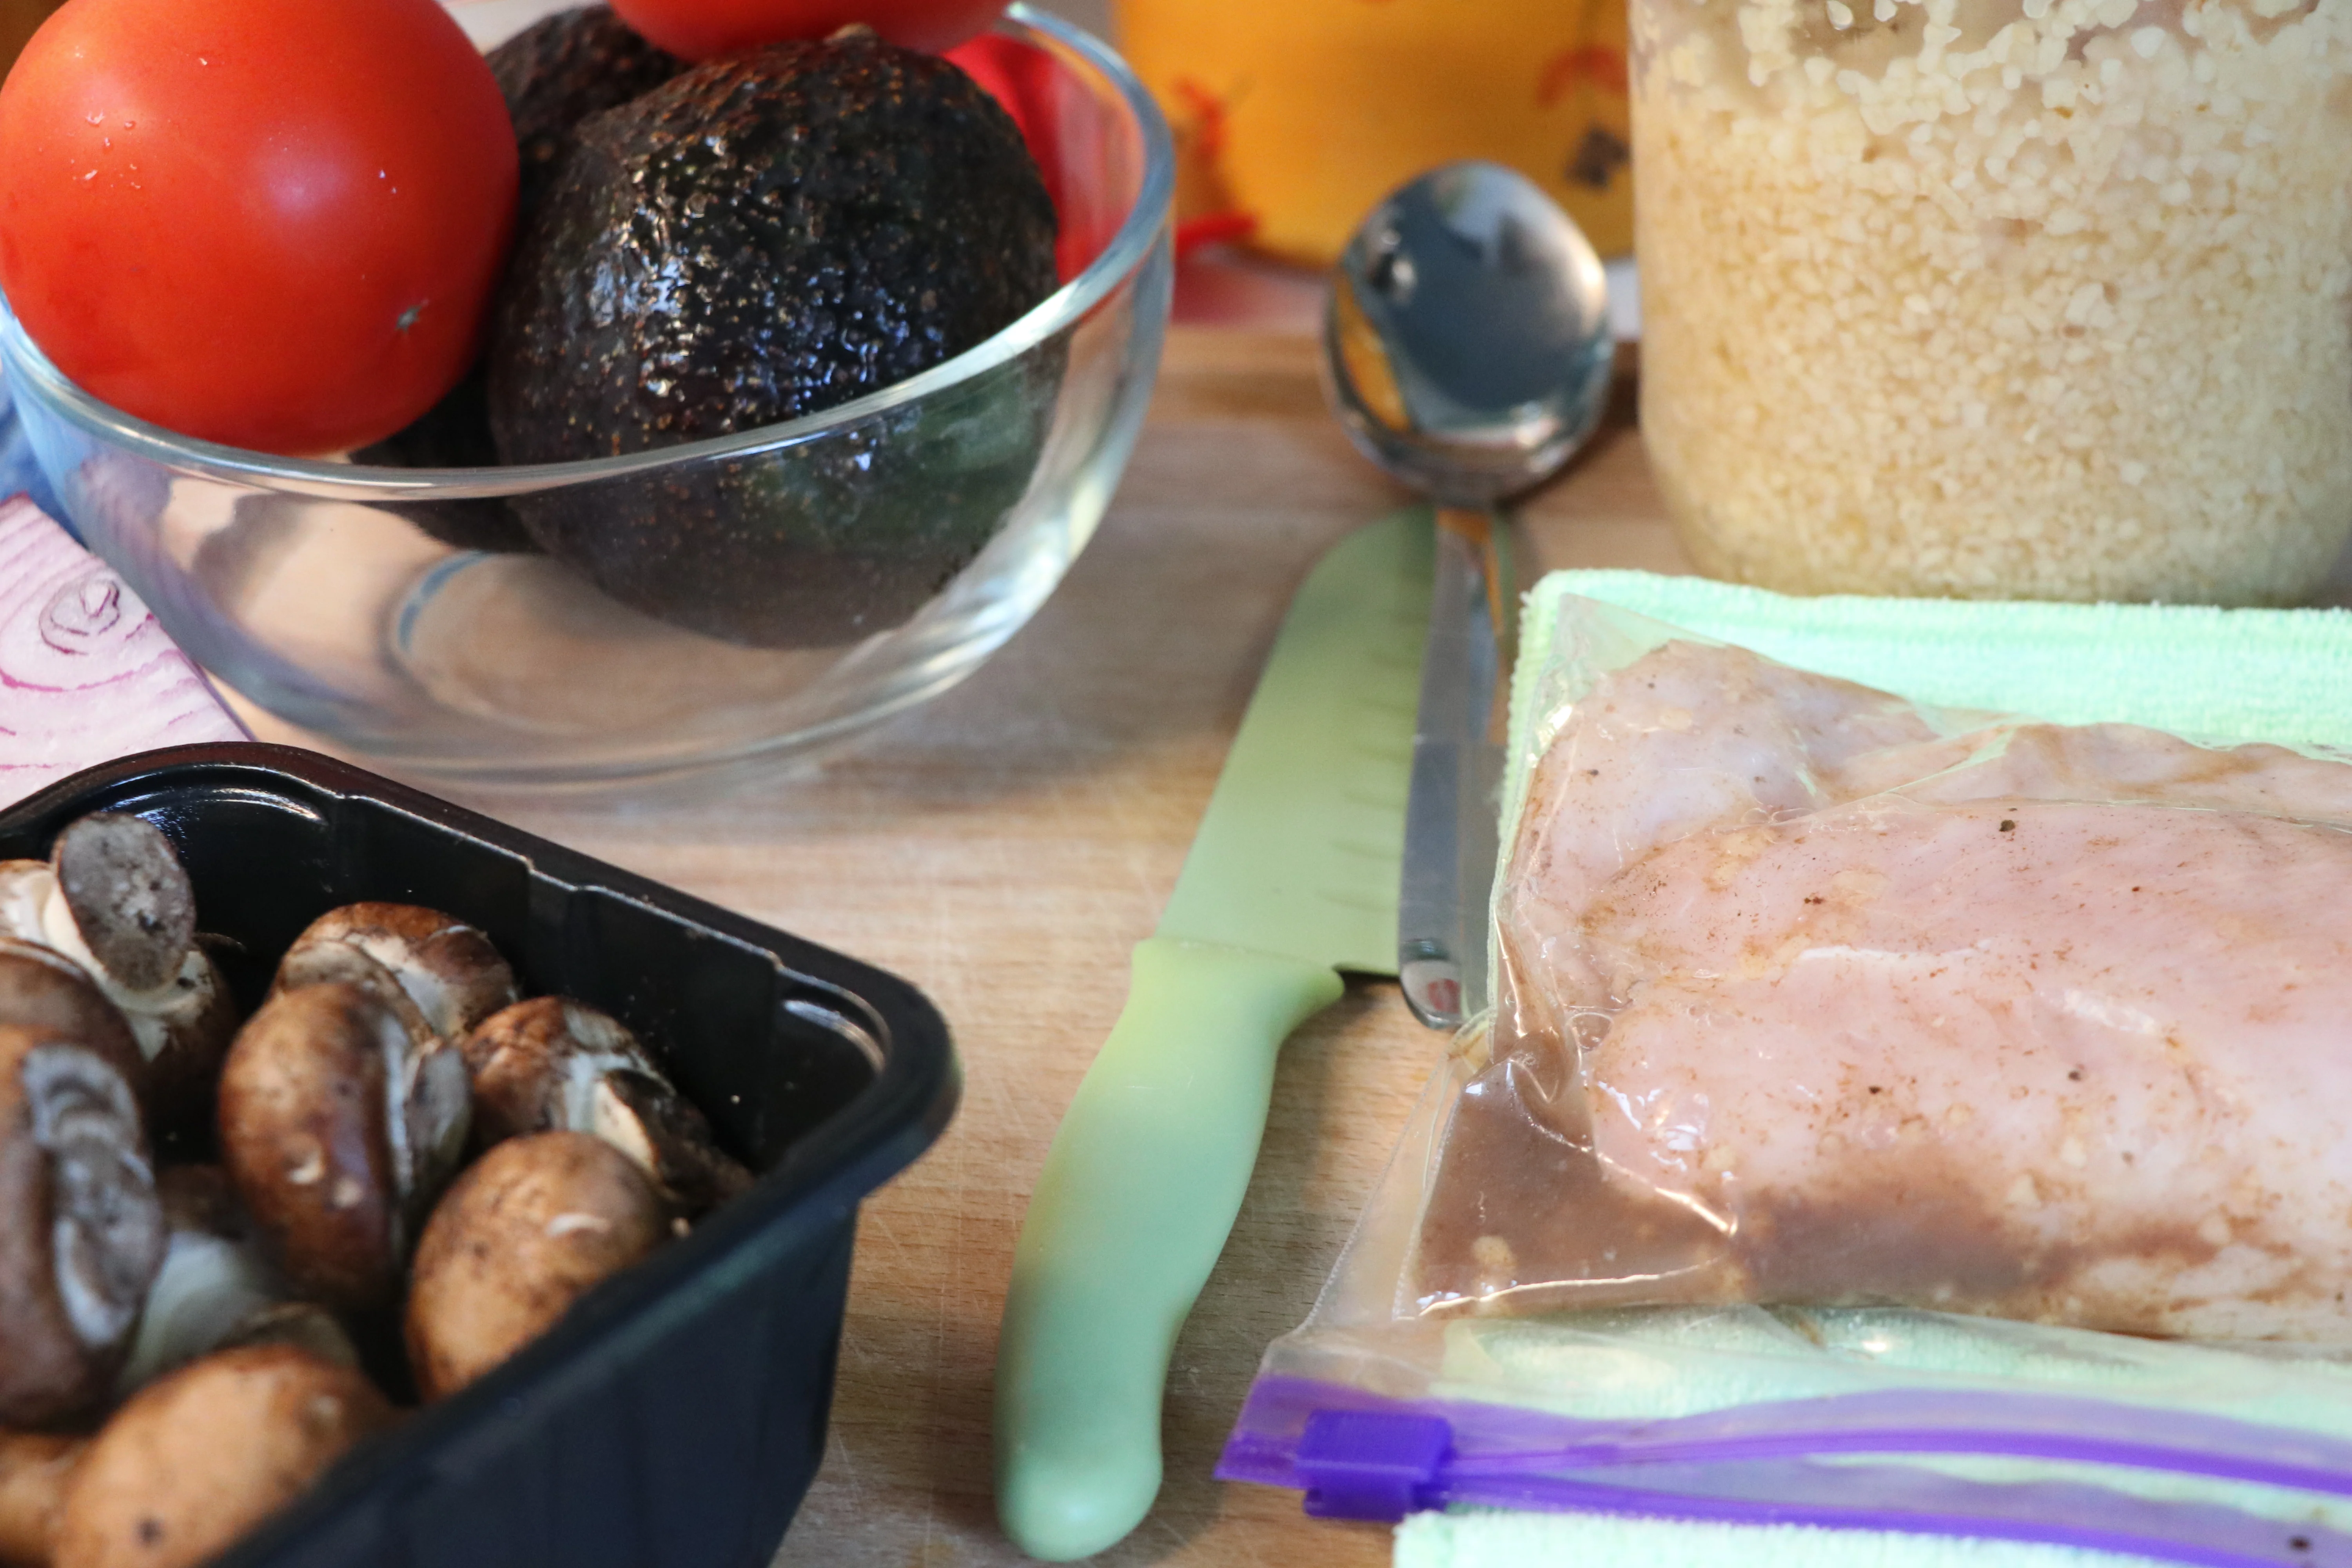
(553, 74)
(562, 69)
(762, 238)
(455, 433)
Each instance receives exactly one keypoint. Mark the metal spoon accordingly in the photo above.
(1469, 353)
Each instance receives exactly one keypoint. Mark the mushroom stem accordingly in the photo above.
(641, 1115)
(551, 1064)
(208, 1285)
(217, 1287)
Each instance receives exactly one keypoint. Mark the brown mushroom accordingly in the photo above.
(448, 967)
(338, 1127)
(528, 1229)
(81, 1233)
(24, 889)
(552, 1063)
(332, 962)
(34, 1469)
(217, 1287)
(42, 989)
(114, 899)
(132, 908)
(305, 1325)
(200, 1458)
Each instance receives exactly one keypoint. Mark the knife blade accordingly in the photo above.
(1452, 835)
(1291, 878)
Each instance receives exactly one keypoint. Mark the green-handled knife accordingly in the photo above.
(1292, 877)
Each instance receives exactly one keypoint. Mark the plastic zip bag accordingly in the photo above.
(1771, 873)
(1809, 994)
(2175, 1451)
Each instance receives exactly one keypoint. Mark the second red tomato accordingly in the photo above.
(706, 30)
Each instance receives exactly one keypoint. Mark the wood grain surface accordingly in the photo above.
(1003, 849)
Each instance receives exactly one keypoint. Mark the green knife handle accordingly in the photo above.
(1135, 1199)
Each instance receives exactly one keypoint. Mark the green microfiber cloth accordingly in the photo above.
(2210, 674)
(2229, 675)
(2253, 675)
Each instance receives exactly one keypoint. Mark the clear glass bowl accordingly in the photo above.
(899, 539)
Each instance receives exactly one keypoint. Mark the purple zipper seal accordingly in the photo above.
(1359, 1456)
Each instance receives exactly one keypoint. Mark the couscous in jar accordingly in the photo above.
(1999, 297)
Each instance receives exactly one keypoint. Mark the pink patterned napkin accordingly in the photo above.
(85, 674)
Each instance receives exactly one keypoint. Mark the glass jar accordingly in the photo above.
(1999, 297)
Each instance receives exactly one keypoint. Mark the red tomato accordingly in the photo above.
(1036, 91)
(275, 224)
(705, 29)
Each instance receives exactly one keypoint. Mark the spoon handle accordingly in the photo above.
(1451, 837)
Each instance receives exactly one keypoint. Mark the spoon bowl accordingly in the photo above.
(1467, 339)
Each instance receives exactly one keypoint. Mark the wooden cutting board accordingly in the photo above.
(1003, 849)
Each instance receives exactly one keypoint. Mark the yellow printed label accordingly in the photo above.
(1293, 117)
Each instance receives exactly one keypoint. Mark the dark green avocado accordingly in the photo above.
(553, 74)
(562, 69)
(764, 238)
(455, 433)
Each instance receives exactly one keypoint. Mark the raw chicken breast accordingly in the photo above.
(1816, 996)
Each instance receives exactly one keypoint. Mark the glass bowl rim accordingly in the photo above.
(1138, 232)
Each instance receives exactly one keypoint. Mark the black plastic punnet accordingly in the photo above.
(676, 1416)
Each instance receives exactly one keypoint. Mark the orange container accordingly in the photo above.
(1293, 117)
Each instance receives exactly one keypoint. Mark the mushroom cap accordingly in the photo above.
(81, 1233)
(450, 968)
(528, 1229)
(197, 1458)
(129, 897)
(43, 990)
(330, 962)
(303, 1122)
(338, 1125)
(34, 1469)
(552, 1062)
